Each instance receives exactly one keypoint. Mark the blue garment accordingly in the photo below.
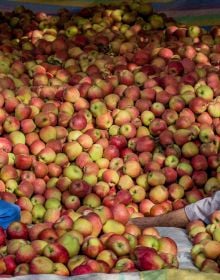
(8, 213)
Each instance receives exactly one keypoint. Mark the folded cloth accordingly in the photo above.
(9, 213)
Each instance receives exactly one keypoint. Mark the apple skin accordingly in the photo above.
(92, 200)
(4, 159)
(61, 269)
(5, 145)
(199, 162)
(97, 267)
(179, 203)
(80, 188)
(25, 254)
(210, 265)
(103, 212)
(152, 231)
(34, 231)
(133, 230)
(83, 225)
(148, 259)
(215, 217)
(92, 246)
(56, 252)
(120, 213)
(145, 144)
(113, 226)
(157, 210)
(170, 260)
(194, 224)
(193, 195)
(101, 189)
(138, 193)
(96, 222)
(14, 244)
(17, 230)
(48, 234)
(2, 237)
(24, 188)
(167, 245)
(118, 244)
(38, 245)
(119, 141)
(108, 257)
(123, 196)
(76, 261)
(124, 264)
(8, 172)
(41, 265)
(81, 270)
(64, 222)
(71, 202)
(170, 174)
(10, 263)
(211, 249)
(162, 190)
(70, 243)
(200, 236)
(176, 191)
(149, 241)
(156, 178)
(22, 269)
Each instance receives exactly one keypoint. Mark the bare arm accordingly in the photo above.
(177, 218)
(201, 209)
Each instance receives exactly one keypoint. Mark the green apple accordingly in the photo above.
(52, 203)
(148, 241)
(216, 234)
(73, 172)
(171, 161)
(194, 31)
(96, 152)
(98, 108)
(147, 117)
(17, 137)
(113, 226)
(71, 31)
(205, 92)
(38, 213)
(70, 243)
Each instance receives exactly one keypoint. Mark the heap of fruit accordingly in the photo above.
(206, 243)
(68, 248)
(106, 115)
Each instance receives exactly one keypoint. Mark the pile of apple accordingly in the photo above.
(206, 243)
(66, 248)
(106, 115)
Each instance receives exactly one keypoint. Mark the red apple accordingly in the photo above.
(118, 244)
(56, 252)
(79, 188)
(17, 230)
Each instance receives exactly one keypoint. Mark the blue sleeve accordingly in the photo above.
(9, 213)
(203, 208)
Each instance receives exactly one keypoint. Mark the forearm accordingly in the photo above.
(177, 218)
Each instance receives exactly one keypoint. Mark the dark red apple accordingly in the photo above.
(80, 188)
